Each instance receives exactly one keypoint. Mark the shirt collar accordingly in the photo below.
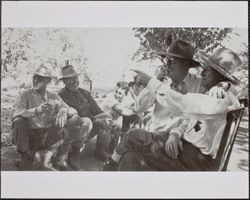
(181, 87)
(45, 97)
(75, 91)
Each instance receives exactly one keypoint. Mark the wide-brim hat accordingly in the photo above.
(68, 71)
(224, 61)
(183, 50)
(44, 70)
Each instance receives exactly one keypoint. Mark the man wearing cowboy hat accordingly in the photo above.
(38, 120)
(164, 124)
(179, 61)
(186, 147)
(86, 106)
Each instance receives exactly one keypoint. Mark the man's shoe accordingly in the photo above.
(74, 160)
(61, 160)
(25, 162)
(110, 165)
(61, 164)
(47, 158)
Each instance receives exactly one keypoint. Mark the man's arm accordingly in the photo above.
(146, 98)
(95, 109)
(20, 107)
(123, 110)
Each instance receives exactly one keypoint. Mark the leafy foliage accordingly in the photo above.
(154, 40)
(23, 49)
(244, 70)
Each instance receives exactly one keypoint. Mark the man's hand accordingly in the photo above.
(45, 108)
(114, 126)
(142, 78)
(172, 144)
(61, 117)
(161, 73)
(217, 92)
(117, 108)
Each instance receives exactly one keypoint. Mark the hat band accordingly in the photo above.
(222, 69)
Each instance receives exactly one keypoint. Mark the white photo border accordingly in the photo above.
(123, 14)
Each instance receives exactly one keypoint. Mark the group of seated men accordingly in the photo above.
(174, 121)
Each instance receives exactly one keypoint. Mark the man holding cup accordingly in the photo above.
(40, 120)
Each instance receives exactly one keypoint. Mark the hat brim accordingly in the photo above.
(45, 76)
(216, 67)
(69, 76)
(194, 63)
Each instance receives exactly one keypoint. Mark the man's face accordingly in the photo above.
(210, 77)
(40, 82)
(120, 94)
(71, 83)
(176, 69)
(137, 89)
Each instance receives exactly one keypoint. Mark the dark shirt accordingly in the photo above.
(82, 101)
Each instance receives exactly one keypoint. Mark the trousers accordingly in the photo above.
(27, 139)
(139, 146)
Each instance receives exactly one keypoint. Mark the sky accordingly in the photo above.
(109, 52)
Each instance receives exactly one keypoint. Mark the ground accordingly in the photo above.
(238, 161)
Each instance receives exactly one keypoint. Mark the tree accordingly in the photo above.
(154, 40)
(243, 71)
(25, 48)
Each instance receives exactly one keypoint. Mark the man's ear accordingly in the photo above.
(187, 65)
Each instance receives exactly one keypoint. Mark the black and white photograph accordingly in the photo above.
(123, 99)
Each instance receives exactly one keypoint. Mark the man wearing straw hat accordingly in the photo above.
(163, 145)
(86, 106)
(39, 121)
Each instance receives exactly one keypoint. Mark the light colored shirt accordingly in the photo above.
(211, 114)
(162, 120)
(29, 100)
(190, 107)
(126, 106)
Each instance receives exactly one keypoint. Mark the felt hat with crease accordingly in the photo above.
(183, 50)
(224, 61)
(68, 71)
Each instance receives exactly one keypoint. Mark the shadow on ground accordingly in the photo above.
(239, 156)
(88, 160)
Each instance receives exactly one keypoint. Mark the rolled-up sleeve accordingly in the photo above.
(182, 128)
(20, 107)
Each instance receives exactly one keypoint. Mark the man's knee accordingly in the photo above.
(79, 128)
(21, 126)
(136, 134)
(86, 123)
(20, 122)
